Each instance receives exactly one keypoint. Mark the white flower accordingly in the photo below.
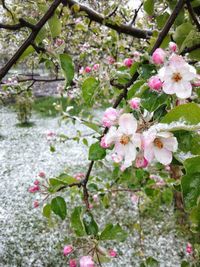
(125, 139)
(159, 146)
(177, 76)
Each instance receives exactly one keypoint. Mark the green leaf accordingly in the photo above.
(47, 211)
(29, 50)
(134, 68)
(188, 113)
(67, 67)
(89, 87)
(113, 232)
(151, 262)
(190, 182)
(188, 142)
(66, 179)
(149, 7)
(76, 221)
(134, 88)
(58, 206)
(55, 26)
(161, 20)
(195, 219)
(185, 264)
(91, 226)
(167, 196)
(182, 32)
(92, 126)
(96, 152)
(151, 100)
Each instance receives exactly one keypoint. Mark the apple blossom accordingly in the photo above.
(67, 250)
(95, 198)
(135, 103)
(79, 176)
(86, 261)
(134, 198)
(125, 139)
(36, 182)
(155, 83)
(173, 47)
(158, 56)
(112, 253)
(136, 56)
(128, 62)
(111, 60)
(159, 146)
(102, 143)
(59, 42)
(110, 117)
(72, 263)
(177, 76)
(88, 69)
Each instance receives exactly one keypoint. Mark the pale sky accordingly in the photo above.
(134, 3)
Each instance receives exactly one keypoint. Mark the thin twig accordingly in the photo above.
(192, 14)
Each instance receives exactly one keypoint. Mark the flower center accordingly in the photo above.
(124, 140)
(158, 143)
(176, 77)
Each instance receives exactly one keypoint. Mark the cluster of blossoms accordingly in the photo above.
(85, 261)
(89, 69)
(36, 188)
(175, 76)
(132, 145)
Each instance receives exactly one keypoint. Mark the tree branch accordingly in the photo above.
(22, 23)
(30, 39)
(122, 28)
(190, 49)
(192, 14)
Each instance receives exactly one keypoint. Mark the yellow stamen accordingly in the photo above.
(176, 77)
(124, 140)
(158, 143)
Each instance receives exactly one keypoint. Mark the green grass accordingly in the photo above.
(45, 105)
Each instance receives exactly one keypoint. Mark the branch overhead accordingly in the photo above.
(120, 28)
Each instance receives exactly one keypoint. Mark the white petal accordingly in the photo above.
(170, 144)
(130, 154)
(163, 155)
(119, 149)
(136, 140)
(111, 136)
(184, 90)
(127, 124)
(168, 88)
(149, 152)
(164, 134)
(188, 73)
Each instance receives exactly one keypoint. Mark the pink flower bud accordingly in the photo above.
(173, 47)
(35, 204)
(189, 248)
(95, 198)
(59, 42)
(96, 67)
(72, 263)
(36, 182)
(88, 69)
(112, 253)
(86, 261)
(79, 176)
(103, 143)
(158, 56)
(134, 198)
(140, 161)
(33, 189)
(155, 83)
(67, 250)
(111, 60)
(128, 62)
(135, 103)
(136, 55)
(110, 117)
(42, 174)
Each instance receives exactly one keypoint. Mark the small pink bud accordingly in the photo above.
(95, 198)
(72, 263)
(35, 204)
(88, 69)
(103, 143)
(189, 248)
(155, 83)
(128, 62)
(36, 182)
(59, 42)
(79, 176)
(158, 56)
(111, 60)
(86, 261)
(173, 47)
(135, 103)
(42, 174)
(112, 253)
(141, 162)
(134, 198)
(33, 189)
(67, 250)
(136, 55)
(96, 67)
(110, 117)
